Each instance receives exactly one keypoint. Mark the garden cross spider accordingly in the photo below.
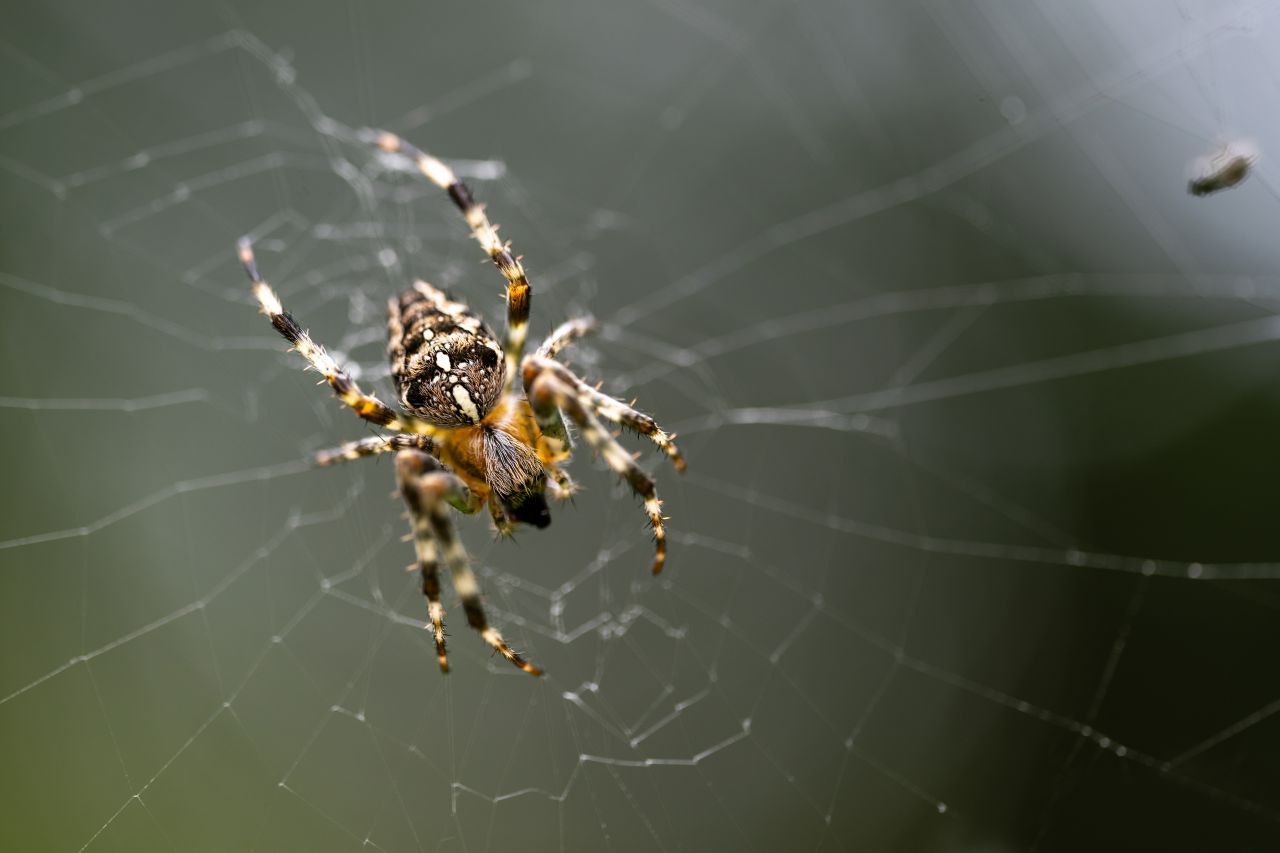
(469, 436)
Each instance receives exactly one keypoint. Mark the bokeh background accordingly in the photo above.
(977, 550)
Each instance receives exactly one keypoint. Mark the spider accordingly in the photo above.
(468, 435)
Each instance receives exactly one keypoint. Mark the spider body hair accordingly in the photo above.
(501, 460)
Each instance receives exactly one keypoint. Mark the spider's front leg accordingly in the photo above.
(605, 406)
(429, 491)
(549, 394)
(411, 467)
(500, 521)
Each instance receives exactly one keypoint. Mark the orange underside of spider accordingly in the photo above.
(462, 448)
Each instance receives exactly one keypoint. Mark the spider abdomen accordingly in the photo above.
(447, 365)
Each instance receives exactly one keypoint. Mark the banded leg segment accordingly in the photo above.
(547, 394)
(565, 334)
(365, 405)
(604, 405)
(500, 521)
(433, 491)
(372, 446)
(486, 234)
(559, 484)
(410, 468)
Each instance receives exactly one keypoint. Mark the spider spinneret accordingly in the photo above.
(468, 436)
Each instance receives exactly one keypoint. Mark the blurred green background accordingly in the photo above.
(977, 550)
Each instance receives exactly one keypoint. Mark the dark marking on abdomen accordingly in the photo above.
(437, 346)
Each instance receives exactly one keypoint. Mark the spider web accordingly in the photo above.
(976, 550)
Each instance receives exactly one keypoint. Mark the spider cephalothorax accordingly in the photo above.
(470, 438)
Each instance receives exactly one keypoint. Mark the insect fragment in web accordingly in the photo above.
(1225, 170)
(466, 434)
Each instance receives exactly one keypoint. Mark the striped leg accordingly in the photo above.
(548, 393)
(410, 468)
(559, 485)
(432, 489)
(372, 446)
(500, 521)
(366, 406)
(605, 406)
(565, 334)
(487, 235)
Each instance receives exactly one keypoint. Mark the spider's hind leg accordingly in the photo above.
(486, 234)
(365, 405)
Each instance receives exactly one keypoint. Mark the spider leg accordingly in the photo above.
(547, 393)
(409, 469)
(372, 446)
(429, 489)
(565, 334)
(605, 406)
(560, 485)
(366, 406)
(500, 520)
(485, 233)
